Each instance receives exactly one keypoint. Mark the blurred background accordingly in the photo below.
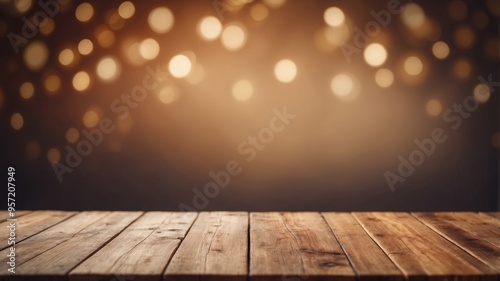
(364, 80)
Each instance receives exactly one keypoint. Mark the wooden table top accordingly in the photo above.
(233, 246)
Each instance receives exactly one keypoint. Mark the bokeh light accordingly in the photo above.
(343, 86)
(149, 49)
(47, 26)
(26, 90)
(384, 77)
(52, 84)
(81, 81)
(462, 68)
(17, 121)
(242, 90)
(179, 66)
(413, 16)
(465, 37)
(90, 118)
(72, 135)
(53, 155)
(108, 69)
(126, 10)
(274, 3)
(22, 6)
(259, 12)
(85, 47)
(413, 65)
(66, 57)
(84, 12)
(457, 10)
(105, 37)
(285, 71)
(375, 54)
(233, 37)
(440, 50)
(161, 20)
(482, 93)
(35, 55)
(209, 28)
(334, 16)
(168, 94)
(433, 107)
(32, 150)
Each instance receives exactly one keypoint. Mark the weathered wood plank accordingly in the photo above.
(366, 257)
(420, 252)
(477, 234)
(32, 223)
(295, 246)
(55, 251)
(141, 251)
(215, 248)
(493, 214)
(4, 215)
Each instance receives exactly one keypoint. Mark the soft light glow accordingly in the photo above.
(233, 37)
(85, 47)
(66, 57)
(161, 20)
(22, 6)
(285, 71)
(242, 90)
(149, 49)
(84, 12)
(105, 37)
(384, 77)
(26, 90)
(108, 69)
(52, 83)
(413, 16)
(81, 81)
(179, 66)
(132, 52)
(32, 150)
(196, 75)
(433, 107)
(440, 50)
(465, 37)
(259, 12)
(90, 118)
(457, 10)
(17, 121)
(413, 66)
(333, 16)
(72, 135)
(342, 86)
(482, 93)
(462, 68)
(375, 54)
(274, 3)
(35, 55)
(53, 155)
(47, 26)
(167, 94)
(209, 28)
(126, 10)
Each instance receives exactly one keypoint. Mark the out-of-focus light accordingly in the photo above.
(32, 150)
(131, 50)
(81, 81)
(333, 16)
(457, 10)
(196, 75)
(482, 93)
(84, 12)
(72, 135)
(328, 38)
(491, 47)
(440, 50)
(53, 155)
(233, 37)
(108, 69)
(105, 37)
(179, 66)
(465, 37)
(17, 121)
(495, 140)
(66, 57)
(375, 54)
(384, 77)
(413, 65)
(242, 90)
(114, 20)
(413, 16)
(26, 90)
(168, 94)
(285, 71)
(209, 28)
(259, 12)
(274, 3)
(126, 10)
(22, 6)
(85, 47)
(125, 125)
(52, 83)
(342, 85)
(480, 19)
(47, 26)
(161, 20)
(433, 107)
(90, 118)
(35, 55)
(462, 68)
(493, 7)
(149, 49)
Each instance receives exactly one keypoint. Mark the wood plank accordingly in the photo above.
(477, 234)
(141, 251)
(295, 246)
(215, 248)
(55, 251)
(366, 257)
(4, 215)
(33, 223)
(493, 214)
(420, 252)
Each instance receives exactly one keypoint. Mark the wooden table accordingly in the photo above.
(121, 246)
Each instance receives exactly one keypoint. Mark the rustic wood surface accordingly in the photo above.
(240, 246)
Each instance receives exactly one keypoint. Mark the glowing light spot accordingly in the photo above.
(375, 54)
(384, 77)
(480, 19)
(105, 37)
(179, 66)
(72, 135)
(167, 95)
(457, 10)
(412, 16)
(32, 150)
(462, 68)
(465, 37)
(66, 57)
(433, 107)
(342, 86)
(440, 50)
(413, 66)
(108, 69)
(335, 36)
(161, 20)
(233, 37)
(84, 12)
(242, 90)
(209, 28)
(259, 12)
(81, 81)
(47, 26)
(90, 118)
(53, 155)
(26, 90)
(126, 10)
(85, 47)
(149, 49)
(17, 121)
(285, 71)
(333, 16)
(114, 20)
(22, 6)
(131, 49)
(52, 83)
(274, 3)
(35, 55)
(196, 75)
(482, 93)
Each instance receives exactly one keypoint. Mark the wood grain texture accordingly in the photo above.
(295, 246)
(4, 215)
(477, 234)
(142, 251)
(420, 252)
(215, 248)
(54, 252)
(493, 214)
(366, 257)
(32, 223)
